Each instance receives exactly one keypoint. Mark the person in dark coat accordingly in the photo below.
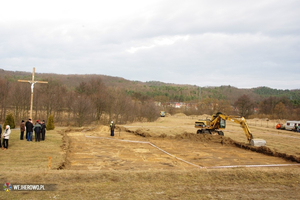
(22, 129)
(26, 125)
(43, 130)
(29, 128)
(37, 129)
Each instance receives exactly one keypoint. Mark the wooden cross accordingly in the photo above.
(32, 82)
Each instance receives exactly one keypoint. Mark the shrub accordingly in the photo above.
(10, 120)
(50, 123)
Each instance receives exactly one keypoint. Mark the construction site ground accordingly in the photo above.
(164, 159)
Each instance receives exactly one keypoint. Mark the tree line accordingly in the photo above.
(270, 107)
(88, 102)
(91, 100)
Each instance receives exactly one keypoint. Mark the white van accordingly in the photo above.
(290, 125)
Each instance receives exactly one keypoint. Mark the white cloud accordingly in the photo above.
(160, 41)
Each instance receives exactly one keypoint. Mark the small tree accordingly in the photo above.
(50, 123)
(10, 120)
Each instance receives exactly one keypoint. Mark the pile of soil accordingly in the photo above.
(141, 132)
(180, 115)
(102, 128)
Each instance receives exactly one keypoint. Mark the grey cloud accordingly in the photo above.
(196, 42)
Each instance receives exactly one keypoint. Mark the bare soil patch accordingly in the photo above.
(127, 150)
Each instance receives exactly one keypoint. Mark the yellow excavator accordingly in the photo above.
(218, 122)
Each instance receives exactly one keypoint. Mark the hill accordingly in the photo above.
(159, 91)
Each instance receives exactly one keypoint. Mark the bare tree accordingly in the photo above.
(82, 107)
(150, 111)
(280, 110)
(20, 99)
(98, 94)
(245, 106)
(4, 92)
(53, 97)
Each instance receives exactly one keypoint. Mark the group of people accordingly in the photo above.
(297, 128)
(5, 136)
(39, 129)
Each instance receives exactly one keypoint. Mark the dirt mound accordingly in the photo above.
(168, 115)
(102, 128)
(142, 132)
(204, 116)
(69, 129)
(160, 119)
(179, 115)
(139, 132)
(205, 138)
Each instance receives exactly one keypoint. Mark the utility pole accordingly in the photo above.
(32, 82)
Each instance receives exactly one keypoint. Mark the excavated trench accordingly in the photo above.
(222, 140)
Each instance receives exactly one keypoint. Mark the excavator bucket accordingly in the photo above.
(258, 142)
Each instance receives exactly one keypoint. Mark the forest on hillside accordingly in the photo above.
(84, 99)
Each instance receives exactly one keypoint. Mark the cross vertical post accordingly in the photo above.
(32, 82)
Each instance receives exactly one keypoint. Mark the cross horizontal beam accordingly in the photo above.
(27, 81)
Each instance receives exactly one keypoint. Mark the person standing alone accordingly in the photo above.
(22, 129)
(112, 128)
(6, 137)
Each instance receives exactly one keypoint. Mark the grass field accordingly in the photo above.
(100, 168)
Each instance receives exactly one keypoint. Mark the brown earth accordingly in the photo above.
(102, 152)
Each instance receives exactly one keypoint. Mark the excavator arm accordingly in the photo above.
(242, 122)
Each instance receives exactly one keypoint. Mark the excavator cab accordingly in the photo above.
(222, 123)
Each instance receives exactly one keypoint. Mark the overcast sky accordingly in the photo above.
(245, 44)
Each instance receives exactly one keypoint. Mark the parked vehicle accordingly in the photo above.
(280, 126)
(291, 125)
